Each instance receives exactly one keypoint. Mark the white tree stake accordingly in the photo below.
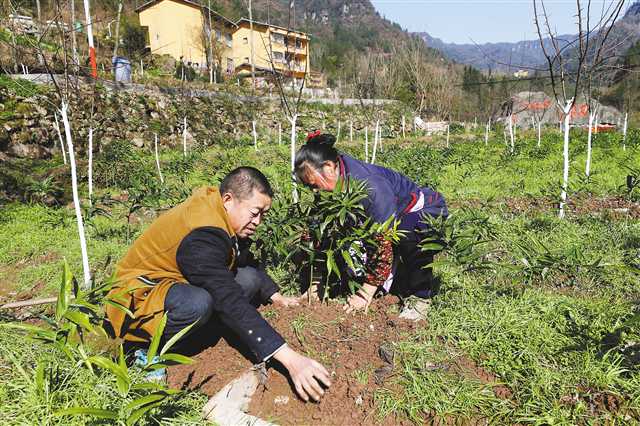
(184, 136)
(448, 134)
(90, 172)
(375, 143)
(158, 157)
(76, 198)
(350, 131)
(279, 133)
(587, 169)
(255, 135)
(338, 135)
(403, 128)
(565, 152)
(511, 135)
(486, 133)
(366, 144)
(293, 157)
(64, 153)
(624, 131)
(539, 132)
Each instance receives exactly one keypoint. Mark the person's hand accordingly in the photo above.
(306, 374)
(361, 299)
(285, 301)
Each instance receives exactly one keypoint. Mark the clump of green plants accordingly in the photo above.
(78, 317)
(328, 237)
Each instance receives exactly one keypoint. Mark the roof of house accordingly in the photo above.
(193, 3)
(264, 24)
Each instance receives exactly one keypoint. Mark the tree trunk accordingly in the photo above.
(539, 132)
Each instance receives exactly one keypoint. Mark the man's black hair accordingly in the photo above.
(242, 181)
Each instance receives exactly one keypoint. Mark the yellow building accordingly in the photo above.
(180, 27)
(287, 51)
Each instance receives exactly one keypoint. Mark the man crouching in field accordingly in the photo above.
(188, 264)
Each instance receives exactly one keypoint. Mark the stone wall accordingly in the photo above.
(28, 127)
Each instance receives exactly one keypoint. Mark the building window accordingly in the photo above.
(278, 57)
(229, 39)
(277, 38)
(218, 35)
(245, 40)
(298, 43)
(230, 67)
(246, 60)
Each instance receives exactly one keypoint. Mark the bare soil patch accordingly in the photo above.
(356, 349)
(347, 345)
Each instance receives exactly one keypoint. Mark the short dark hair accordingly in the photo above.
(242, 181)
(318, 150)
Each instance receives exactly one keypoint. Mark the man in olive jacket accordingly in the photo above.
(188, 265)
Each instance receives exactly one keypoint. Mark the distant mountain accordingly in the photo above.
(502, 57)
(528, 54)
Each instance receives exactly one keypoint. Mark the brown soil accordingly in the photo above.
(347, 345)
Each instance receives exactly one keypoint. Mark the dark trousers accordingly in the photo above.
(186, 304)
(413, 276)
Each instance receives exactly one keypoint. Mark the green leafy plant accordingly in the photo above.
(78, 314)
(463, 238)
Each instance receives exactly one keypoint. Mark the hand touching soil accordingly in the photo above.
(284, 301)
(305, 373)
(361, 299)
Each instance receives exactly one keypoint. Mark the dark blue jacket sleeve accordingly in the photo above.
(381, 203)
(202, 258)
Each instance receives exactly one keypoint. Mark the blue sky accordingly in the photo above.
(461, 21)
